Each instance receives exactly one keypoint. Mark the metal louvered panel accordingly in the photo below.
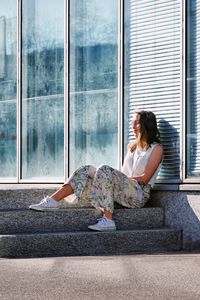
(155, 73)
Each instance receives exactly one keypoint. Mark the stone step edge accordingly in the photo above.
(91, 232)
(73, 209)
(90, 243)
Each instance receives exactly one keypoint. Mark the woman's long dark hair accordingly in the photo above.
(149, 132)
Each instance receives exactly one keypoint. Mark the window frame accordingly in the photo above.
(185, 41)
(66, 5)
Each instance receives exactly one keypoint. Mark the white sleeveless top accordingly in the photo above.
(135, 163)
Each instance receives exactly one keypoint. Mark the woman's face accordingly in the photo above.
(136, 124)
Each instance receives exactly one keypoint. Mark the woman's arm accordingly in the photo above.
(152, 165)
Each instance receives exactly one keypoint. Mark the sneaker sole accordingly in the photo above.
(43, 209)
(101, 229)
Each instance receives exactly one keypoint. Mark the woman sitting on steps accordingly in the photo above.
(104, 185)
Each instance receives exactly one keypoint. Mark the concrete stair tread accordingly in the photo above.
(114, 232)
(14, 196)
(89, 242)
(68, 209)
(25, 220)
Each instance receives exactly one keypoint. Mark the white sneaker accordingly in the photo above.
(103, 224)
(46, 204)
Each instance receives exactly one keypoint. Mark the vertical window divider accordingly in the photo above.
(183, 91)
(66, 89)
(19, 73)
(190, 78)
(120, 82)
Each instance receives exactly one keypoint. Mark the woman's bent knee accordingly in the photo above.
(91, 171)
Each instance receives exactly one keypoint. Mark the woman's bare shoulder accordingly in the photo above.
(158, 151)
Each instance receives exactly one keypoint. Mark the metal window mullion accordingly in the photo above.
(19, 82)
(66, 88)
(183, 92)
(120, 82)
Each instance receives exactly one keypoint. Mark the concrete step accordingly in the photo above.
(89, 243)
(19, 196)
(76, 219)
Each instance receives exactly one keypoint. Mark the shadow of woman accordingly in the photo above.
(170, 139)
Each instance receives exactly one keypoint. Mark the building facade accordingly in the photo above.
(71, 75)
(73, 72)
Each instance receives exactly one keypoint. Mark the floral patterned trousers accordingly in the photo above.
(104, 185)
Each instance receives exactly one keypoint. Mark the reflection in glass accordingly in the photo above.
(42, 89)
(8, 76)
(193, 88)
(93, 82)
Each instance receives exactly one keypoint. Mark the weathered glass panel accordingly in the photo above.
(43, 89)
(93, 82)
(8, 89)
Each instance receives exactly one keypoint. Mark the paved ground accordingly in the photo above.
(171, 276)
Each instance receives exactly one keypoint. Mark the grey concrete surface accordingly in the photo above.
(89, 243)
(182, 211)
(74, 219)
(20, 196)
(165, 277)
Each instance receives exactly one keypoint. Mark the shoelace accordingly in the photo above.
(45, 201)
(102, 220)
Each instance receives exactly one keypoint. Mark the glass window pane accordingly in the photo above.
(193, 89)
(8, 92)
(43, 89)
(93, 82)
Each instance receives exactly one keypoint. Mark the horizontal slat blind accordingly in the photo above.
(155, 73)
